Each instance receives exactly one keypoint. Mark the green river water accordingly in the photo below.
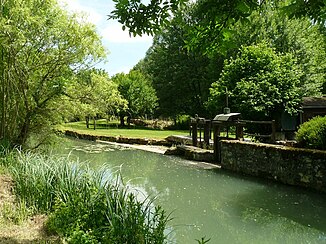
(226, 207)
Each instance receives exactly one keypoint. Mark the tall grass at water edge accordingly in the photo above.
(84, 205)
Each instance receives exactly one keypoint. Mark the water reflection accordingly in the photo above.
(220, 205)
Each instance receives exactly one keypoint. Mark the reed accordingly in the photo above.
(85, 205)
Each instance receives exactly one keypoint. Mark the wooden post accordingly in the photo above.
(194, 133)
(273, 138)
(240, 131)
(237, 132)
(207, 132)
(217, 153)
(200, 139)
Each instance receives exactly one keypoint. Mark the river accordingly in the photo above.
(215, 204)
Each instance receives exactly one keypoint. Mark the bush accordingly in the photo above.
(312, 134)
(182, 122)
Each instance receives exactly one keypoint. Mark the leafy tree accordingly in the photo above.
(93, 94)
(300, 37)
(261, 83)
(214, 17)
(178, 75)
(182, 77)
(40, 47)
(314, 9)
(138, 91)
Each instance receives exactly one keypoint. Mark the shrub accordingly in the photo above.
(182, 122)
(312, 134)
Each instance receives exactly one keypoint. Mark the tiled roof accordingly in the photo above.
(314, 102)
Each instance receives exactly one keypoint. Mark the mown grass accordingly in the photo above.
(112, 130)
(84, 205)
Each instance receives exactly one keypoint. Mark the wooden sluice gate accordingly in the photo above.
(201, 130)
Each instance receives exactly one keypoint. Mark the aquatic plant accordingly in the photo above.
(85, 205)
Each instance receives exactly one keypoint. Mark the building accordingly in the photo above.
(312, 107)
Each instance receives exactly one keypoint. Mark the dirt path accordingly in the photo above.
(29, 231)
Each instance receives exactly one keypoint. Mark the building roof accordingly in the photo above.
(314, 102)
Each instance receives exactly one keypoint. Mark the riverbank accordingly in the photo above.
(124, 132)
(16, 230)
(305, 168)
(80, 204)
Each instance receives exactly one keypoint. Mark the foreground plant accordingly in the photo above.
(84, 205)
(312, 134)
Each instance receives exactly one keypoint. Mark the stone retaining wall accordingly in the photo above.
(118, 139)
(288, 165)
(192, 153)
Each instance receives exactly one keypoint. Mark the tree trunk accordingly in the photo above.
(87, 122)
(94, 123)
(122, 120)
(22, 138)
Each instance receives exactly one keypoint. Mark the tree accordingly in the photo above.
(214, 17)
(93, 94)
(40, 47)
(314, 9)
(138, 91)
(261, 84)
(300, 37)
(180, 77)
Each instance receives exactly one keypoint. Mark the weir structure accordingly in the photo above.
(227, 126)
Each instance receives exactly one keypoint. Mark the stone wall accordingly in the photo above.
(118, 139)
(288, 165)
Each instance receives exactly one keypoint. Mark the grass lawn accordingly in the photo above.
(134, 132)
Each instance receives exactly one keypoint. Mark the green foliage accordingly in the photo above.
(92, 94)
(213, 18)
(182, 122)
(137, 89)
(260, 82)
(183, 87)
(84, 205)
(16, 213)
(41, 46)
(140, 18)
(180, 77)
(300, 37)
(203, 240)
(315, 9)
(312, 134)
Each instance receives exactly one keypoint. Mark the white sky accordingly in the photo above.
(125, 51)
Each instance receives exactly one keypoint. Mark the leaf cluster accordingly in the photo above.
(92, 93)
(138, 91)
(312, 134)
(140, 18)
(260, 83)
(213, 18)
(41, 46)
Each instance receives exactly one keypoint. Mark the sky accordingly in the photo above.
(124, 51)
